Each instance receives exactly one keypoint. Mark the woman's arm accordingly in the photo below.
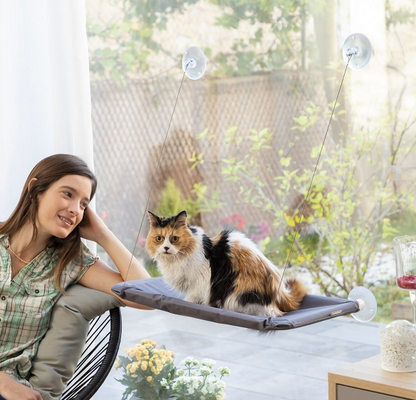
(10, 389)
(100, 276)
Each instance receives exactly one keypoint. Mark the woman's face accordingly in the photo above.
(61, 207)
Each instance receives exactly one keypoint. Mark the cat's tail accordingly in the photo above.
(291, 295)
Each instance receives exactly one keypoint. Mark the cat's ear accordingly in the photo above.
(180, 219)
(153, 219)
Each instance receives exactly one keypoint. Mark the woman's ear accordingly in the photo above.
(32, 181)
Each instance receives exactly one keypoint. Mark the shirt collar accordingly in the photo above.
(4, 241)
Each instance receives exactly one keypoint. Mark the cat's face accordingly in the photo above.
(169, 238)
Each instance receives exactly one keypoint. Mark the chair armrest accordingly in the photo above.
(61, 348)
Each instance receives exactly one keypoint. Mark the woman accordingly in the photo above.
(41, 254)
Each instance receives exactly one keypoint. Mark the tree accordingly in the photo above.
(277, 28)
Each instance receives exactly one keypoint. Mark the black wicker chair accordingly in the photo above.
(98, 357)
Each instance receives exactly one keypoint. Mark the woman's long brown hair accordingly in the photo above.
(46, 172)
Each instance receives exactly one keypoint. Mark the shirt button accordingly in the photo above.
(3, 298)
(37, 291)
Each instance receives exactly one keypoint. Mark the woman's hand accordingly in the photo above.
(92, 226)
(10, 389)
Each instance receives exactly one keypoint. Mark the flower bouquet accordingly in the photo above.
(144, 369)
(197, 381)
(149, 373)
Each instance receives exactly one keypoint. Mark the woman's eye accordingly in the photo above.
(159, 239)
(84, 206)
(174, 239)
(67, 194)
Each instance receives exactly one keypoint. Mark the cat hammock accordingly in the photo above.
(155, 293)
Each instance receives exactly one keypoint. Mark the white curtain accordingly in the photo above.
(45, 104)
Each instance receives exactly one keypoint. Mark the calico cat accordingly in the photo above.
(227, 271)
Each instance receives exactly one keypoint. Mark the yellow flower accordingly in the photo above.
(128, 369)
(117, 364)
(130, 352)
(148, 341)
(145, 355)
(132, 368)
(149, 379)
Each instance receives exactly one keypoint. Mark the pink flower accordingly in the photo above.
(258, 231)
(103, 216)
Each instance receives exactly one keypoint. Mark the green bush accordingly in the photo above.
(346, 236)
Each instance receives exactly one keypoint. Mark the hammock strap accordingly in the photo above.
(314, 171)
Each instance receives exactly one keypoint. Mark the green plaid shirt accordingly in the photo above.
(26, 303)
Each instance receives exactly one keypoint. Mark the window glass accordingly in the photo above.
(313, 160)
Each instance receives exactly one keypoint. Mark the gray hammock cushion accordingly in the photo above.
(156, 293)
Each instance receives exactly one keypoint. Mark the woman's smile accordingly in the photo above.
(66, 221)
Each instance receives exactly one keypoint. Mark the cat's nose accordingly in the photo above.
(166, 248)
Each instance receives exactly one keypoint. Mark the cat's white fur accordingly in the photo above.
(191, 275)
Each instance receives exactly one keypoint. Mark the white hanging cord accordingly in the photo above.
(155, 173)
(315, 169)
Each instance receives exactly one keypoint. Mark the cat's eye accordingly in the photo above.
(174, 239)
(159, 239)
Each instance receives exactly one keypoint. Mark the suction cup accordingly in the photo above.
(358, 47)
(194, 63)
(366, 301)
